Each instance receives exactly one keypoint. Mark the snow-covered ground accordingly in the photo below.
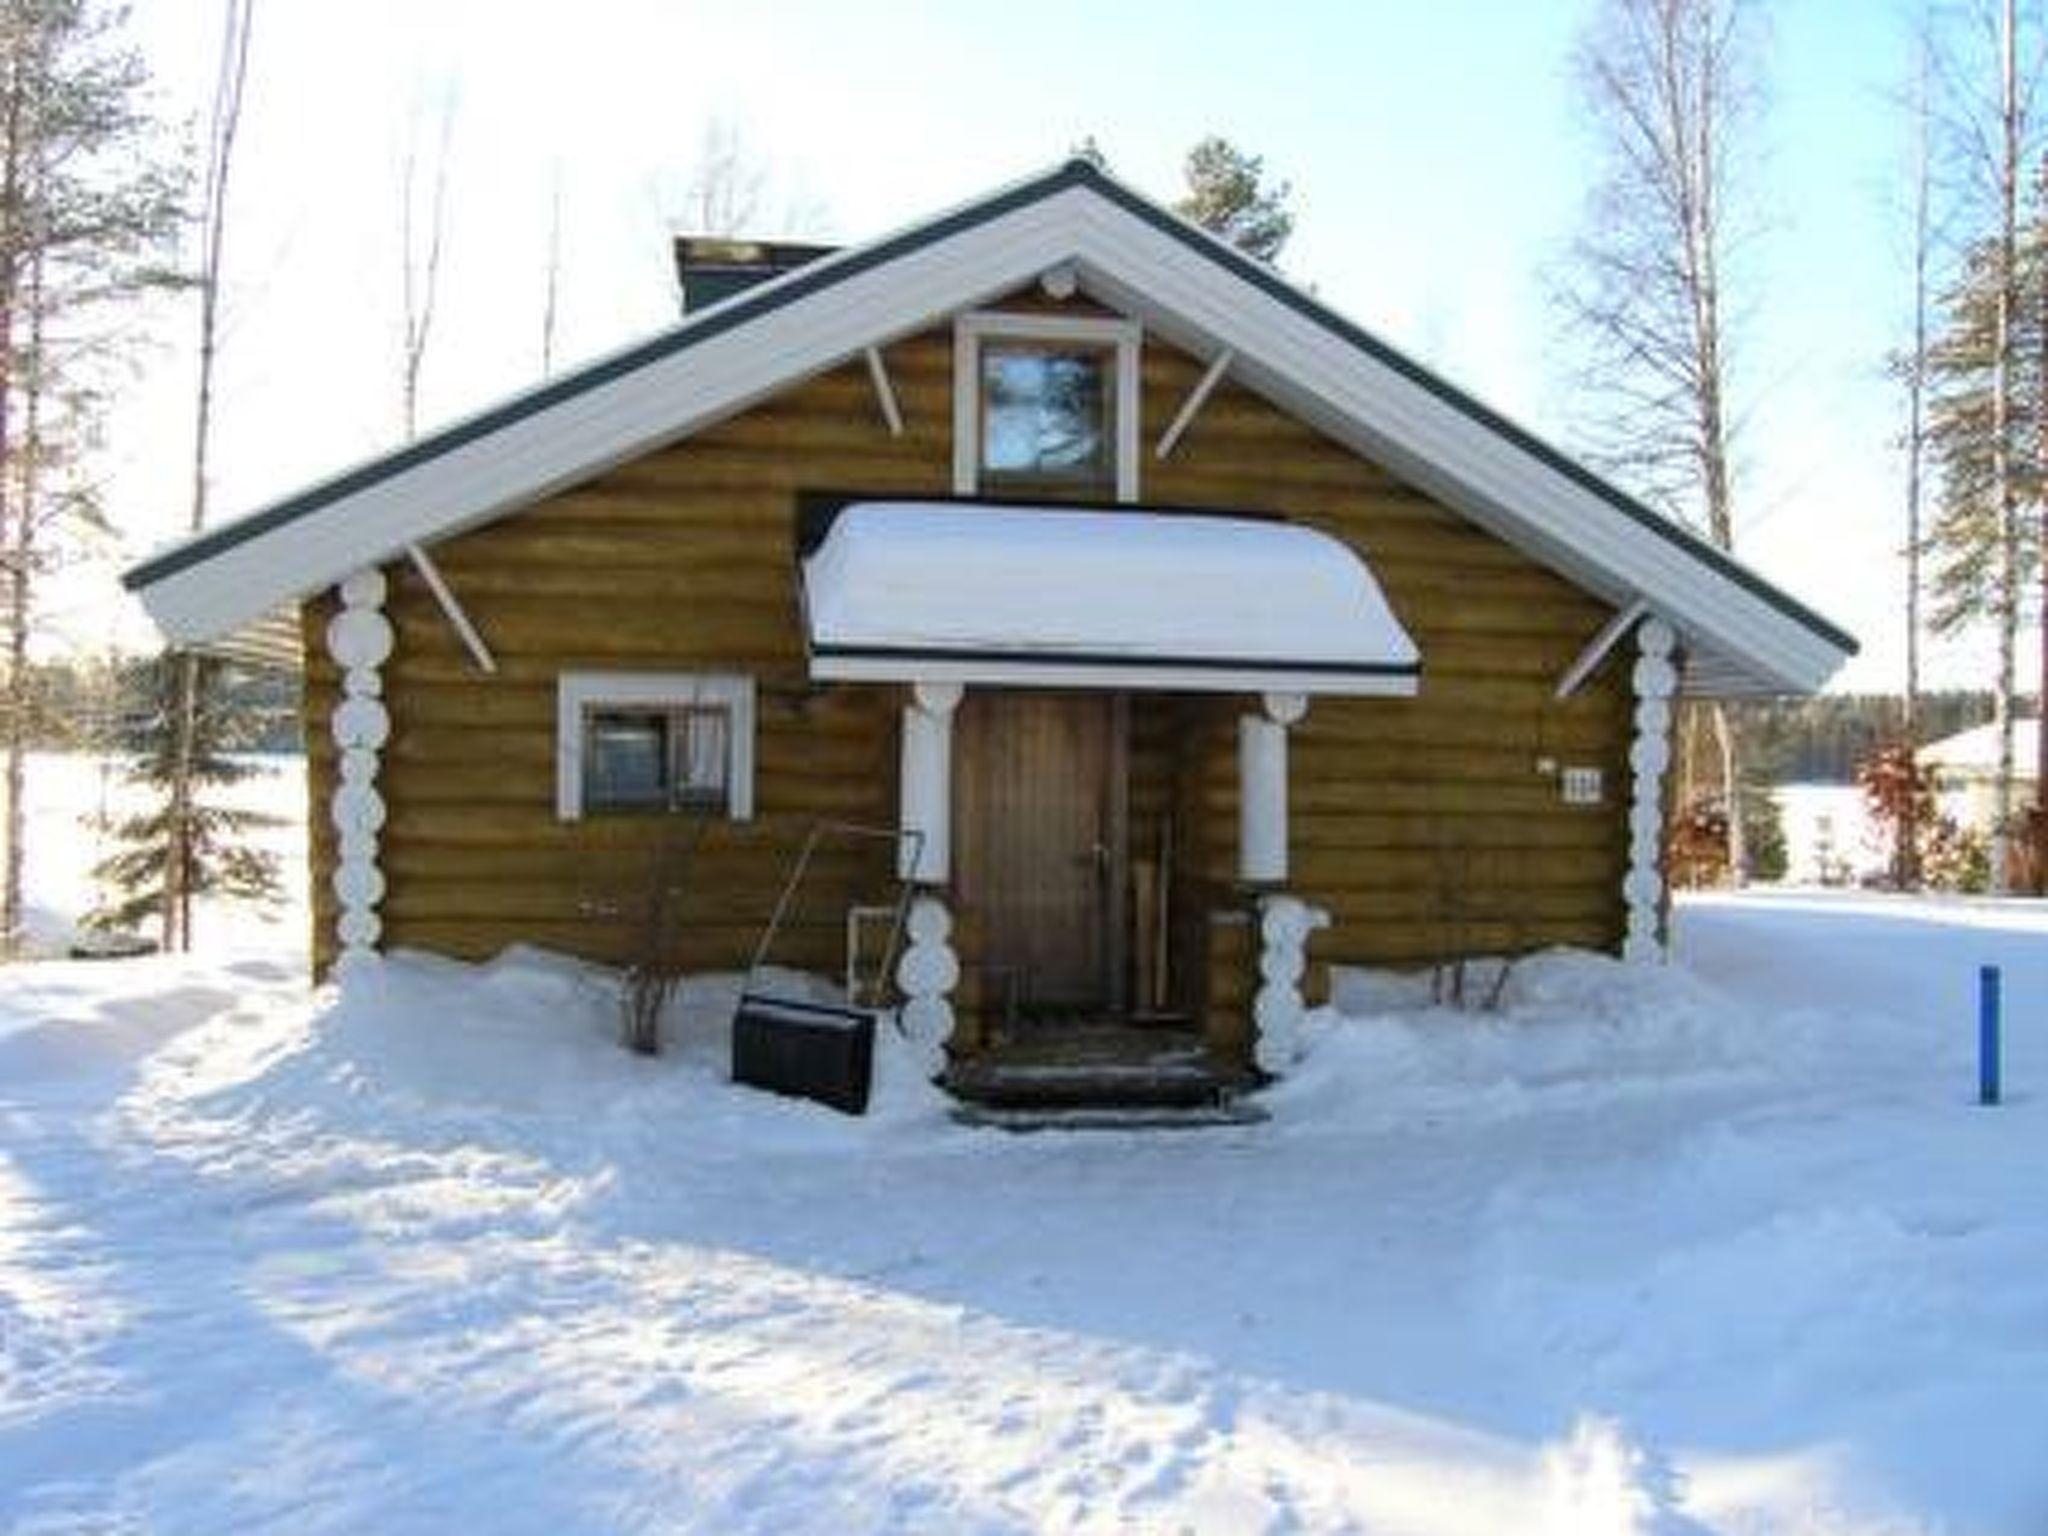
(1725, 1246)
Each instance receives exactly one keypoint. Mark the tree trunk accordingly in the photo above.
(180, 852)
(2001, 449)
(1731, 779)
(21, 559)
(13, 514)
(2037, 821)
(1906, 850)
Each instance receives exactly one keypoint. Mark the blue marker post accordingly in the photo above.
(1987, 1034)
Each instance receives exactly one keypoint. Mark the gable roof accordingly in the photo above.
(1183, 283)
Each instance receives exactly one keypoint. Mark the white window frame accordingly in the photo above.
(1119, 336)
(578, 694)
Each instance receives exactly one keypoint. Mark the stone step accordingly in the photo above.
(1110, 1118)
(1097, 1067)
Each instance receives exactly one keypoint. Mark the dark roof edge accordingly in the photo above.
(804, 281)
(1060, 658)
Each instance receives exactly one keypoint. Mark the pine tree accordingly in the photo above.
(1987, 439)
(214, 857)
(1965, 533)
(1228, 195)
(87, 204)
(1985, 402)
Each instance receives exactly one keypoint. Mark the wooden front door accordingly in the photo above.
(1038, 849)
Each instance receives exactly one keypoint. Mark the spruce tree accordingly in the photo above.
(215, 855)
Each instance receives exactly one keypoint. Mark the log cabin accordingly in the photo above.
(1180, 637)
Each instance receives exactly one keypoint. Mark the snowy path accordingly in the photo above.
(1647, 1256)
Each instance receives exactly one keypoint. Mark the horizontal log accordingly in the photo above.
(525, 793)
(1345, 828)
(834, 874)
(467, 807)
(606, 943)
(1422, 944)
(581, 565)
(1427, 798)
(782, 674)
(736, 911)
(1457, 872)
(1360, 763)
(1591, 729)
(782, 746)
(1349, 497)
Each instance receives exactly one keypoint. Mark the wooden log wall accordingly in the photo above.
(1421, 823)
(679, 561)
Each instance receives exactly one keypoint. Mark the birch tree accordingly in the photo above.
(1670, 87)
(727, 187)
(1911, 368)
(552, 277)
(420, 253)
(2005, 479)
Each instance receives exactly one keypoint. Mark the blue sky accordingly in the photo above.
(1436, 152)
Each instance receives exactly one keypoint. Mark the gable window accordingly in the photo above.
(654, 741)
(1046, 415)
(1046, 403)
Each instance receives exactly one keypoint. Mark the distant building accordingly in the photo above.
(1965, 769)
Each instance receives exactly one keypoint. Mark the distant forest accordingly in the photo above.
(1821, 740)
(102, 706)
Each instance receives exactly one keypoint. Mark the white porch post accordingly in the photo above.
(927, 784)
(1262, 789)
(929, 969)
(1655, 680)
(1285, 922)
(359, 638)
(1278, 1009)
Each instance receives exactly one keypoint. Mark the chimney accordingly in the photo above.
(712, 268)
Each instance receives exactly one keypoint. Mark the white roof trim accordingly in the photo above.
(1126, 252)
(982, 593)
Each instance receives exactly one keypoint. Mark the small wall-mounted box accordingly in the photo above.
(1581, 786)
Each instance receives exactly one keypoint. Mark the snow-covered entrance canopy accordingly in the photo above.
(1052, 597)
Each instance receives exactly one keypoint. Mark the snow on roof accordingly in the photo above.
(983, 593)
(1976, 750)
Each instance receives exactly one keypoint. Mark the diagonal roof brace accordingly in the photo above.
(1588, 660)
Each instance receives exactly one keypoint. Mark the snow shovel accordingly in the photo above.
(798, 1045)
